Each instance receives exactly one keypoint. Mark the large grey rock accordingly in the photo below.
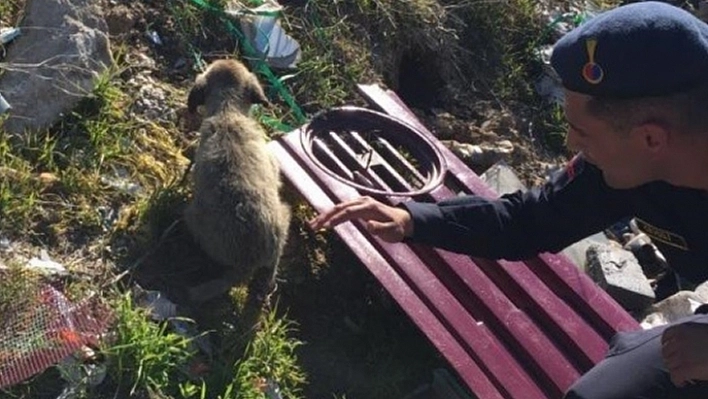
(617, 271)
(53, 64)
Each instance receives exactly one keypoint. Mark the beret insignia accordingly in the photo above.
(592, 71)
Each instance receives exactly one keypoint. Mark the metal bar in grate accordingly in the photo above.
(351, 156)
(379, 163)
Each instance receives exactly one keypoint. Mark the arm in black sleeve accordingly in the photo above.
(572, 205)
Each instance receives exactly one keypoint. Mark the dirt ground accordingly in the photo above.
(358, 343)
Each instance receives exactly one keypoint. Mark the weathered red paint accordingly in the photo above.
(509, 329)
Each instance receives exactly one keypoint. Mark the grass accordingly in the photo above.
(11, 12)
(101, 186)
(57, 181)
(143, 356)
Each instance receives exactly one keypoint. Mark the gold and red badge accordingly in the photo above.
(592, 71)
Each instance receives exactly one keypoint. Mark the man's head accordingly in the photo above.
(637, 90)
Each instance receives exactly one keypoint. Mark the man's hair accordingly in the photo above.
(685, 112)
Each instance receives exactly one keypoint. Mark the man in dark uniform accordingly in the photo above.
(636, 100)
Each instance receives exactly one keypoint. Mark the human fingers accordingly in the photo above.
(361, 208)
(317, 222)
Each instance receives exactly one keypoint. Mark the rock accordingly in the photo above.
(63, 48)
(702, 291)
(502, 179)
(577, 252)
(677, 306)
(618, 272)
(483, 155)
(120, 20)
(152, 101)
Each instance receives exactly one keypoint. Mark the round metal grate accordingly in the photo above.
(373, 152)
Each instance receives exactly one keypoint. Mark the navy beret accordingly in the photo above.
(637, 50)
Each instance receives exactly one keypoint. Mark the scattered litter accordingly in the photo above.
(270, 388)
(198, 341)
(8, 34)
(548, 84)
(109, 216)
(154, 37)
(81, 370)
(263, 31)
(46, 265)
(121, 182)
(160, 307)
(651, 259)
(5, 244)
(4, 105)
(502, 179)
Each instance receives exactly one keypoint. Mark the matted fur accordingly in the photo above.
(236, 214)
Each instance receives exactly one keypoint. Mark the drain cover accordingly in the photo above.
(373, 152)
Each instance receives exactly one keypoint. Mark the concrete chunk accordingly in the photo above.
(48, 69)
(617, 271)
(577, 252)
(502, 179)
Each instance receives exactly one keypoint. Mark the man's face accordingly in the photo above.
(619, 155)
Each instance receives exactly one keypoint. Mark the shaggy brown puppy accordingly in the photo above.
(236, 214)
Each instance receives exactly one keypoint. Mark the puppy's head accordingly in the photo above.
(226, 80)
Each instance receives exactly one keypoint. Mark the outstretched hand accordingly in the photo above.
(389, 223)
(684, 348)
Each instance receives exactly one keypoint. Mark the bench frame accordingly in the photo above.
(509, 329)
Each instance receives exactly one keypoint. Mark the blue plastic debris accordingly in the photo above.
(4, 105)
(8, 34)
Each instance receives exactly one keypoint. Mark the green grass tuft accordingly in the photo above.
(145, 357)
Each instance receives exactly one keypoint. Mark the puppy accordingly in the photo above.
(236, 214)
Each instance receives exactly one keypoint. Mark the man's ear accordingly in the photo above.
(654, 137)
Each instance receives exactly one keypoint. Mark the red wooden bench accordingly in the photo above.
(509, 329)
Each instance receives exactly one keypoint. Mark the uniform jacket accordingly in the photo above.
(573, 204)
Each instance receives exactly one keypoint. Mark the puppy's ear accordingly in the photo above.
(196, 95)
(256, 94)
